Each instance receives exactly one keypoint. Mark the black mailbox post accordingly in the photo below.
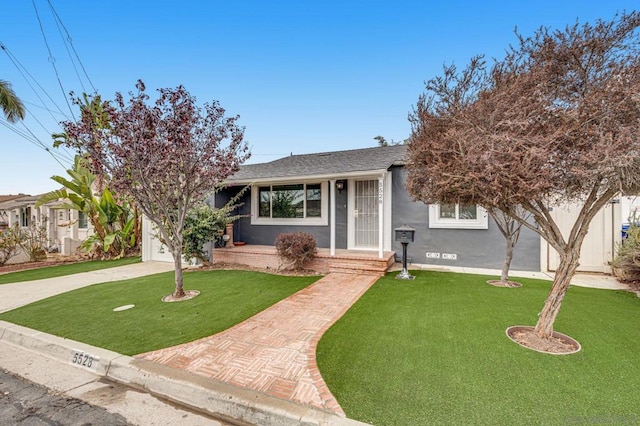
(404, 235)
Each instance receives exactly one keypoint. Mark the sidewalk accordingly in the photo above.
(141, 408)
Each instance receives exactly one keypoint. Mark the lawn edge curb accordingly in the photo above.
(197, 392)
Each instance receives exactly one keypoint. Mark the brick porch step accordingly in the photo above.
(358, 267)
(346, 261)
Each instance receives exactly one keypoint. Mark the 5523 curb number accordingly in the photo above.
(84, 359)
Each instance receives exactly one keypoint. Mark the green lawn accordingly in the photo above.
(66, 269)
(86, 314)
(434, 351)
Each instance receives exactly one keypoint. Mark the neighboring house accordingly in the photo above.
(355, 199)
(20, 211)
(66, 229)
(5, 217)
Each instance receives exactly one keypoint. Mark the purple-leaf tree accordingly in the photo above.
(167, 155)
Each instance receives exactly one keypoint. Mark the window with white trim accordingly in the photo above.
(290, 203)
(458, 216)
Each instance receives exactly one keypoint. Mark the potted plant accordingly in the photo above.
(626, 263)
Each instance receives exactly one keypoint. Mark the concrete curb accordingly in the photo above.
(237, 405)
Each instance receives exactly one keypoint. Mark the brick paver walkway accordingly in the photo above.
(274, 351)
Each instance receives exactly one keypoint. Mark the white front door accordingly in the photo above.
(364, 215)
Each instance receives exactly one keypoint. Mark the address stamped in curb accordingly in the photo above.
(83, 359)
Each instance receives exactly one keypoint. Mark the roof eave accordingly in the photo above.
(304, 178)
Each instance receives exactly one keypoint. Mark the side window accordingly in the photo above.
(458, 216)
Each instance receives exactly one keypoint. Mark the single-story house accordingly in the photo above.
(355, 199)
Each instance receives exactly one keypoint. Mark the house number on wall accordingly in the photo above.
(380, 192)
(84, 359)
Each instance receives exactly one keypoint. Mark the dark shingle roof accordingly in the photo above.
(324, 164)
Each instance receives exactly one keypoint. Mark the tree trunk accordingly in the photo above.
(565, 272)
(177, 261)
(504, 276)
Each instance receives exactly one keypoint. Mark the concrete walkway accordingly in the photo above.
(274, 352)
(19, 294)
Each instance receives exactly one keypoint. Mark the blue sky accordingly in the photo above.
(303, 76)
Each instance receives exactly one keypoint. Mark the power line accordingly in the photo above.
(32, 138)
(66, 46)
(68, 39)
(52, 58)
(63, 153)
(22, 70)
(45, 108)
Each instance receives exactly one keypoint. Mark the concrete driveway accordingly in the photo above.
(19, 294)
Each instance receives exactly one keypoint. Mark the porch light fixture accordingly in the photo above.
(340, 185)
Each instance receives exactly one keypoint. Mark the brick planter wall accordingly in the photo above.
(344, 260)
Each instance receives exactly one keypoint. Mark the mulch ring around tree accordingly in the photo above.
(188, 294)
(558, 344)
(508, 284)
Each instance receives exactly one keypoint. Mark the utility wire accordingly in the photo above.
(73, 63)
(46, 109)
(34, 139)
(33, 116)
(52, 59)
(59, 154)
(56, 155)
(59, 21)
(30, 137)
(24, 72)
(64, 153)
